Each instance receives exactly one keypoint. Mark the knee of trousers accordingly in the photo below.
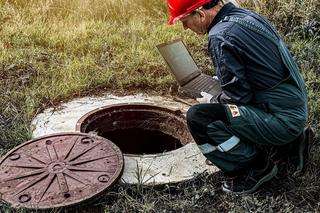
(198, 120)
(193, 115)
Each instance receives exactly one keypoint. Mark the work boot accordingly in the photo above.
(251, 180)
(299, 150)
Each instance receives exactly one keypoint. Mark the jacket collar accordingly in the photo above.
(221, 14)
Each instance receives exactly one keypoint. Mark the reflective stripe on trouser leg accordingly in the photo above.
(223, 147)
(238, 153)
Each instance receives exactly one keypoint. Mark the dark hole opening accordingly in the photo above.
(142, 141)
(138, 129)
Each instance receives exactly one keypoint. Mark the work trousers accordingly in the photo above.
(231, 136)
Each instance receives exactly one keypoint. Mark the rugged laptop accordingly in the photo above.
(186, 71)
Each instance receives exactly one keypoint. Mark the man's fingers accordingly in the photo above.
(215, 77)
(203, 93)
(201, 100)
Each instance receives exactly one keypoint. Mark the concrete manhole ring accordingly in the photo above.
(59, 170)
(178, 164)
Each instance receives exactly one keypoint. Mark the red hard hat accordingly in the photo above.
(181, 8)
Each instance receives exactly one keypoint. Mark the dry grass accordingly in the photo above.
(53, 50)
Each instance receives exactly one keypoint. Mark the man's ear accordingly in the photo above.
(202, 14)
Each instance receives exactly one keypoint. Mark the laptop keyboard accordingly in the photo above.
(203, 83)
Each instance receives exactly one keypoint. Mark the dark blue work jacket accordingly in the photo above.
(245, 61)
(259, 75)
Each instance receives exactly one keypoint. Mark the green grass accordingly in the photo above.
(55, 50)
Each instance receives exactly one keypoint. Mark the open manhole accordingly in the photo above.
(151, 131)
(138, 129)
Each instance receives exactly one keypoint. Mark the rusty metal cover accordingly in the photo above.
(59, 170)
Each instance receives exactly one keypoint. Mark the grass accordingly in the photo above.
(55, 50)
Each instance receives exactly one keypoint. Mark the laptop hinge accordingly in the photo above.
(190, 78)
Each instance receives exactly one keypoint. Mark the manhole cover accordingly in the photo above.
(59, 170)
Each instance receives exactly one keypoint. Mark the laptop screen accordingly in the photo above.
(178, 59)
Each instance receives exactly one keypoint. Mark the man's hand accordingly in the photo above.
(206, 97)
